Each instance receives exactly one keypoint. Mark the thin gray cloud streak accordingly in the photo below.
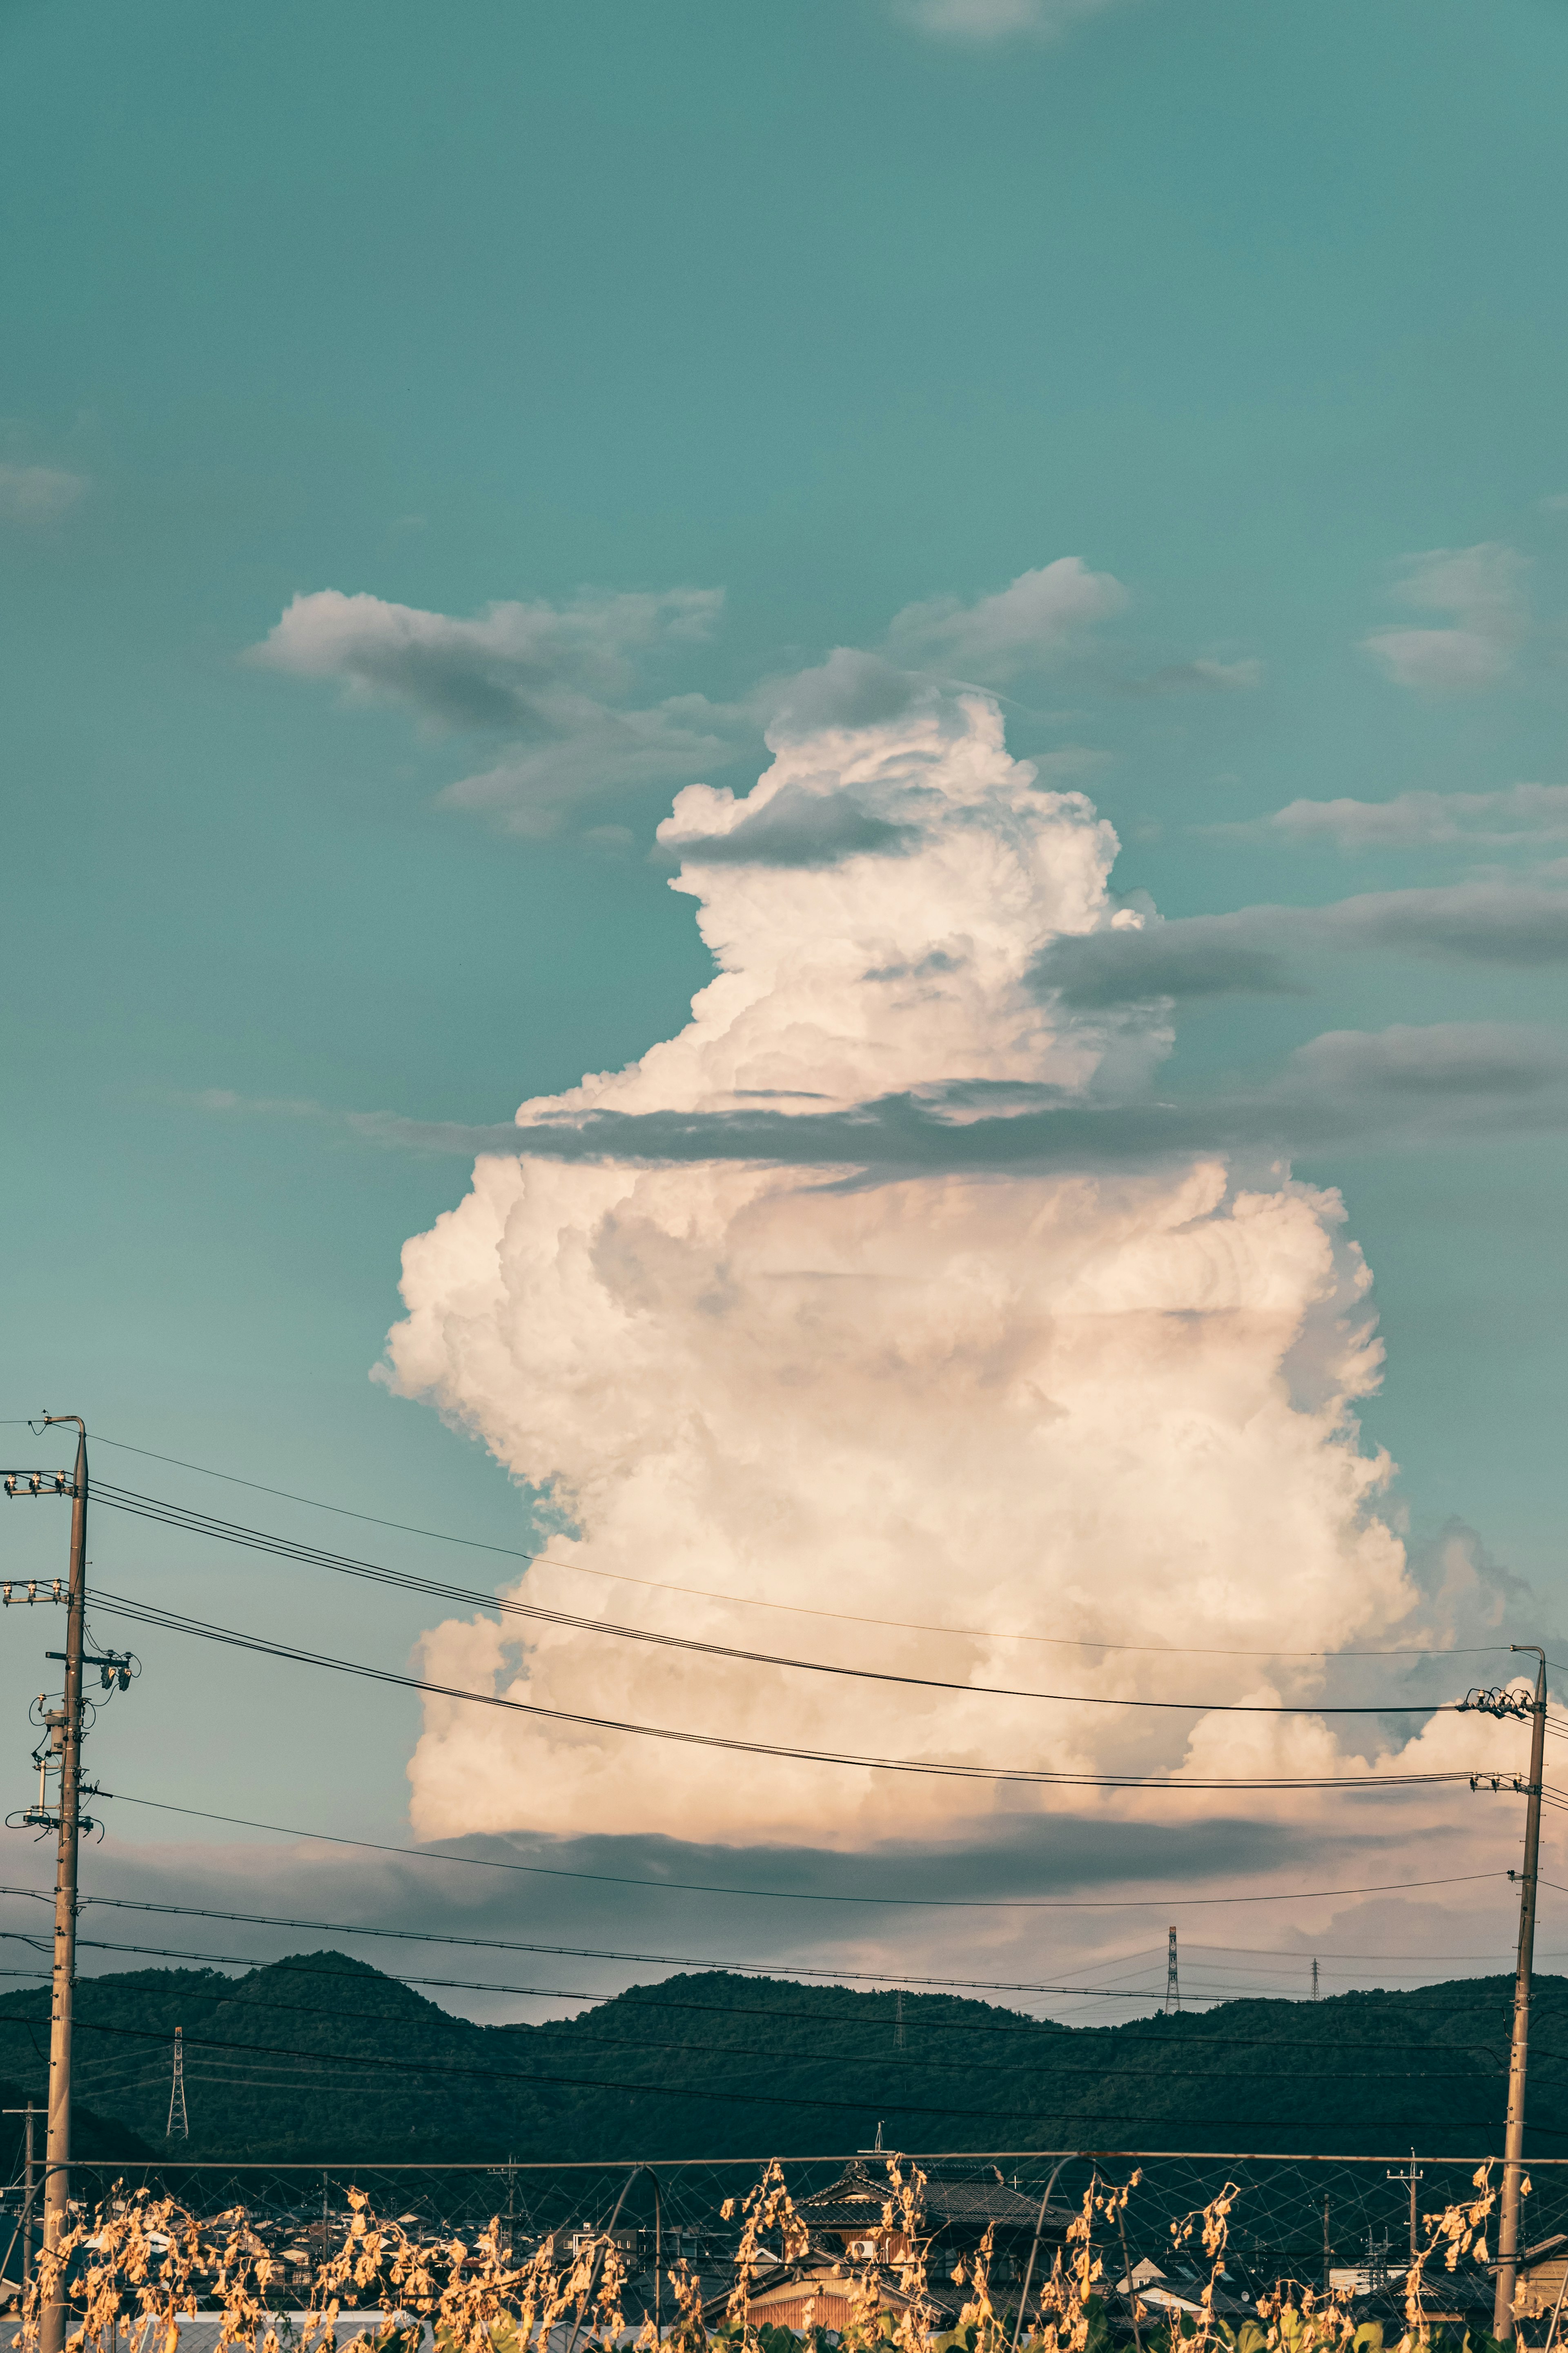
(1452, 1083)
(1244, 953)
(1517, 817)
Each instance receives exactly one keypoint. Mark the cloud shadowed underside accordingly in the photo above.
(553, 679)
(1394, 1089)
(794, 829)
(1510, 923)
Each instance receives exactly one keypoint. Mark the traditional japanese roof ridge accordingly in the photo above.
(968, 2192)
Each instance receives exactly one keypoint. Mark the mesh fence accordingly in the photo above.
(1305, 2218)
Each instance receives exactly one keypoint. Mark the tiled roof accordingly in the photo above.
(976, 2194)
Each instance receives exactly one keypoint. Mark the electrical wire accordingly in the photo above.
(793, 1895)
(164, 1514)
(493, 1943)
(300, 1968)
(655, 1999)
(580, 1952)
(798, 1608)
(141, 1613)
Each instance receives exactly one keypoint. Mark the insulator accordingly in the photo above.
(59, 1596)
(124, 1678)
(32, 1589)
(35, 1483)
(10, 1485)
(5, 1595)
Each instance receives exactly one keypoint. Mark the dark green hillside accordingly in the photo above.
(97, 2139)
(323, 2058)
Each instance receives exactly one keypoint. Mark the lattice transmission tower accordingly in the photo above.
(1172, 1983)
(179, 2125)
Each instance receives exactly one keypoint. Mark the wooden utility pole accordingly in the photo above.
(64, 1726)
(27, 2209)
(1513, 2145)
(1413, 2178)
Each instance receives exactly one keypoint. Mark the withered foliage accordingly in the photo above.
(143, 2264)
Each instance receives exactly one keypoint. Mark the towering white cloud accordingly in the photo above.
(1036, 1404)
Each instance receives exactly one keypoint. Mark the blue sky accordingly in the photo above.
(836, 309)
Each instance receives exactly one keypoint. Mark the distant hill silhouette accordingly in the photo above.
(713, 2064)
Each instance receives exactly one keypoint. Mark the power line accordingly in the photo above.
(582, 1952)
(800, 1895)
(577, 1952)
(302, 1969)
(799, 1609)
(281, 1547)
(170, 1621)
(657, 1999)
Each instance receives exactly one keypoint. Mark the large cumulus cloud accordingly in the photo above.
(1105, 1407)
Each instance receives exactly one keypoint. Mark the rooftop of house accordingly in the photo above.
(953, 2193)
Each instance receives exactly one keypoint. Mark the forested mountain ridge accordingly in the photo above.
(323, 2058)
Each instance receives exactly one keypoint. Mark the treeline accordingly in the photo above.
(321, 2057)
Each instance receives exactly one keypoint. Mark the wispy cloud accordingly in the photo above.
(1033, 621)
(1482, 587)
(563, 690)
(39, 494)
(526, 791)
(1246, 953)
(510, 666)
(554, 679)
(1516, 815)
(984, 22)
(1205, 676)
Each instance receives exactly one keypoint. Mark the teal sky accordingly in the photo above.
(833, 308)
